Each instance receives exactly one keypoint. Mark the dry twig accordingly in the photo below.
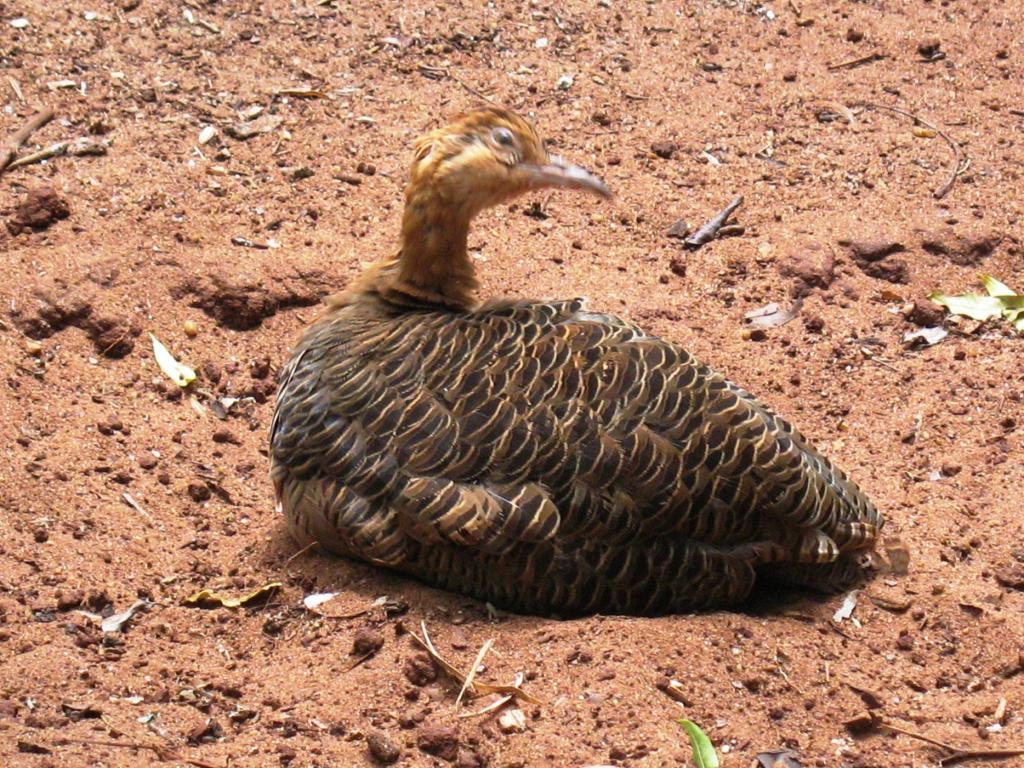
(873, 721)
(38, 121)
(960, 161)
(16, 87)
(475, 687)
(131, 502)
(494, 706)
(77, 148)
(439, 73)
(956, 754)
(709, 231)
(295, 556)
(473, 670)
(871, 58)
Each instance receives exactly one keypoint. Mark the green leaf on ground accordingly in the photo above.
(1001, 301)
(995, 287)
(704, 755)
(970, 305)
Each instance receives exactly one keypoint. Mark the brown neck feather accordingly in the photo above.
(433, 266)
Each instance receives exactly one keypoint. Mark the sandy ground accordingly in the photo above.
(679, 110)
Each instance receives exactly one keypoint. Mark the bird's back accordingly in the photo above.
(551, 460)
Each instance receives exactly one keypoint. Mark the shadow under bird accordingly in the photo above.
(535, 454)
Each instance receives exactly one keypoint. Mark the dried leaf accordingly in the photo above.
(246, 130)
(208, 598)
(115, 622)
(771, 315)
(1013, 304)
(704, 755)
(925, 336)
(778, 758)
(177, 372)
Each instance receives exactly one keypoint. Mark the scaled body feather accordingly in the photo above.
(550, 460)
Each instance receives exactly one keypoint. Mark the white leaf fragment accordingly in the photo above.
(179, 373)
(846, 609)
(318, 599)
(115, 622)
(512, 720)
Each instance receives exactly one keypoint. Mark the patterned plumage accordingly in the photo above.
(542, 457)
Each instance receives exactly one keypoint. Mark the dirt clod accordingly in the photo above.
(926, 314)
(367, 640)
(874, 256)
(872, 248)
(224, 435)
(243, 301)
(964, 249)
(1011, 576)
(438, 740)
(810, 267)
(468, 758)
(929, 47)
(41, 207)
(199, 491)
(679, 230)
(420, 670)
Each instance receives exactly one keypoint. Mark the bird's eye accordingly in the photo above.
(503, 136)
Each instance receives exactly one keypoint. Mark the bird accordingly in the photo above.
(538, 455)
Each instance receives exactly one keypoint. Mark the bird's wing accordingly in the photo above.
(528, 422)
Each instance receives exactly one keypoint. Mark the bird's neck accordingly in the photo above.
(433, 267)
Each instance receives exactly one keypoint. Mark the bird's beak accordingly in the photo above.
(560, 174)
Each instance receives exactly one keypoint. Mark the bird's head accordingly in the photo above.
(481, 160)
(487, 157)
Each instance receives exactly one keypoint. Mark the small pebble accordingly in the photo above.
(299, 173)
(929, 48)
(225, 436)
(664, 149)
(199, 491)
(382, 749)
